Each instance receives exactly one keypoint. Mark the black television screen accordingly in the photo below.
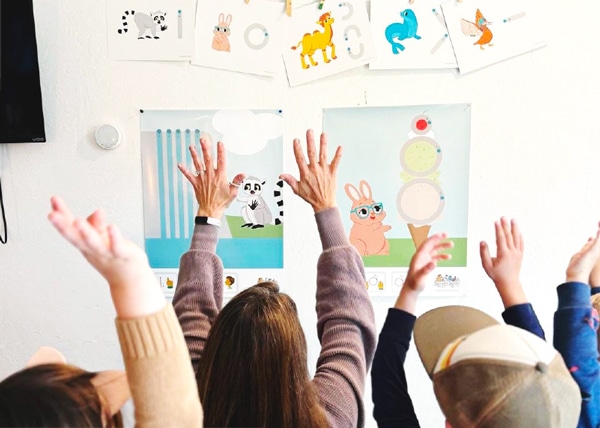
(21, 114)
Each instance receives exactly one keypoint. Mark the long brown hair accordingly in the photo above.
(53, 395)
(253, 370)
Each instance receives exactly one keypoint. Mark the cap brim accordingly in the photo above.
(438, 327)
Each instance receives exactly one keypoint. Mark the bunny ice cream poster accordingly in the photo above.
(251, 234)
(150, 29)
(404, 176)
(239, 36)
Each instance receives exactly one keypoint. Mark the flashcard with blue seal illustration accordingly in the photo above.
(326, 41)
(410, 35)
(251, 231)
(159, 30)
(484, 32)
(239, 36)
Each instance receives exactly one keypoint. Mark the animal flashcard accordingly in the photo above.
(485, 32)
(150, 29)
(251, 232)
(410, 35)
(327, 41)
(238, 36)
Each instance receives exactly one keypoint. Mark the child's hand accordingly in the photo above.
(584, 262)
(421, 264)
(123, 264)
(595, 275)
(504, 269)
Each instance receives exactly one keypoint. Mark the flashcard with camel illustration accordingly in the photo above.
(239, 36)
(410, 35)
(404, 177)
(251, 232)
(160, 30)
(327, 41)
(484, 32)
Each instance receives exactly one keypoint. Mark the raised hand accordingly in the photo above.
(214, 193)
(123, 264)
(318, 182)
(504, 269)
(422, 263)
(595, 275)
(583, 262)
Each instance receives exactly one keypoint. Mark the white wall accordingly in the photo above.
(534, 156)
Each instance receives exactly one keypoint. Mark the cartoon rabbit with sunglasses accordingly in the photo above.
(221, 34)
(367, 232)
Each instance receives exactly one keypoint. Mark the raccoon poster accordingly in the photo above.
(251, 233)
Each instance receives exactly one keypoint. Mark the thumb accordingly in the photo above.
(291, 181)
(484, 253)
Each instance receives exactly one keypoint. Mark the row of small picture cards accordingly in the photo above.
(382, 283)
(317, 42)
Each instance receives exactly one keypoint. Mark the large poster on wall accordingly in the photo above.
(253, 141)
(404, 176)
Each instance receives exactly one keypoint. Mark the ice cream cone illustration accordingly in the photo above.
(418, 233)
(420, 200)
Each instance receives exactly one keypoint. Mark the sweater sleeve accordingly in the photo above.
(392, 405)
(575, 325)
(523, 316)
(345, 325)
(199, 294)
(159, 372)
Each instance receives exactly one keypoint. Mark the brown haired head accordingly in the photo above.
(53, 395)
(253, 370)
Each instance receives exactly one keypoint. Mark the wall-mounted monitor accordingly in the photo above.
(21, 113)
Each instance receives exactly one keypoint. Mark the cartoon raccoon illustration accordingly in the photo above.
(144, 22)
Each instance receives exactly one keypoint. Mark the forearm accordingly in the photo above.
(523, 316)
(199, 293)
(575, 325)
(346, 325)
(159, 372)
(393, 406)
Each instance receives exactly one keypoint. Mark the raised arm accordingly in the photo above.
(504, 270)
(393, 406)
(199, 294)
(575, 326)
(345, 325)
(158, 369)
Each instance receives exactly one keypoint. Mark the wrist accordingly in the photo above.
(207, 220)
(210, 212)
(407, 300)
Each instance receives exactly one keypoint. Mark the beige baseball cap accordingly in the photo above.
(487, 374)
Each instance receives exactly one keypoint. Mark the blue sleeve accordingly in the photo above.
(575, 325)
(523, 316)
(392, 406)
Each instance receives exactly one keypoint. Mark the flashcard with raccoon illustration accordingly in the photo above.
(150, 29)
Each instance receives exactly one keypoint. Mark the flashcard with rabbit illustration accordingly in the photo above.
(238, 36)
(484, 32)
(327, 41)
(251, 232)
(160, 30)
(410, 35)
(409, 182)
